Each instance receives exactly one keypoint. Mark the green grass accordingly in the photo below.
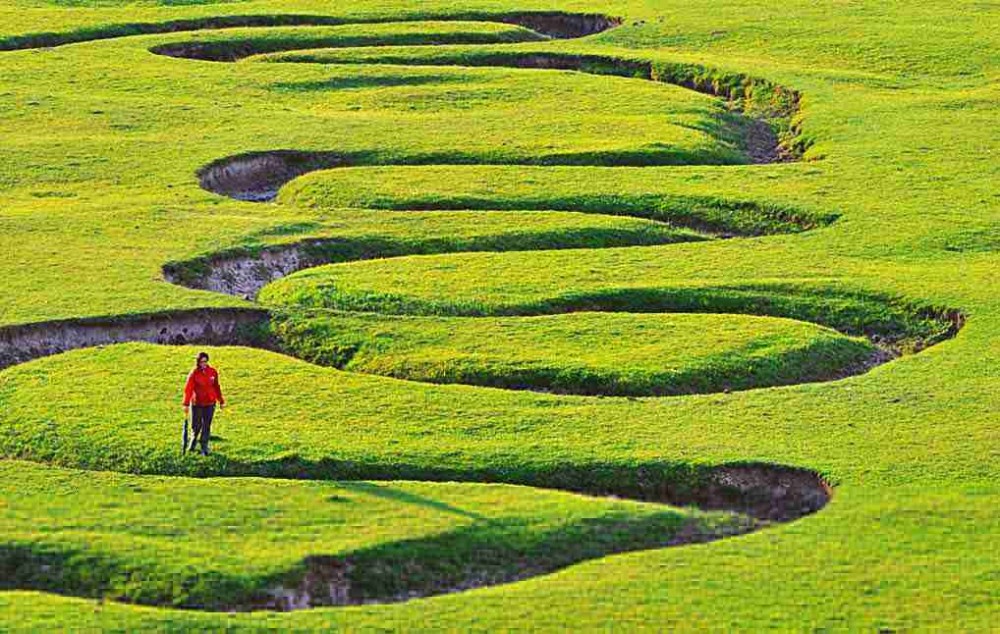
(221, 543)
(579, 353)
(223, 47)
(489, 285)
(886, 229)
(744, 94)
(138, 141)
(623, 193)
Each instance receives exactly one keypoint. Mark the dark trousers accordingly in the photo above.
(201, 424)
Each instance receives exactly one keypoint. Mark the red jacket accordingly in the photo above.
(203, 385)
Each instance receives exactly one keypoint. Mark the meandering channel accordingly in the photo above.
(765, 493)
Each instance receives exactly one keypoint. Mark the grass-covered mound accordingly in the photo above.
(324, 423)
(221, 46)
(579, 353)
(619, 193)
(494, 285)
(244, 543)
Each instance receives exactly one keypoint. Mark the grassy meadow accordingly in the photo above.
(543, 291)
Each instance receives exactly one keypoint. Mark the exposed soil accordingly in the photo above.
(764, 492)
(326, 582)
(244, 275)
(760, 143)
(257, 176)
(561, 25)
(210, 326)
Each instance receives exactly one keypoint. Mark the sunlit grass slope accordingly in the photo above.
(217, 543)
(118, 158)
(889, 222)
(323, 413)
(579, 353)
(323, 421)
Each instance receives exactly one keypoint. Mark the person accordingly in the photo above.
(201, 394)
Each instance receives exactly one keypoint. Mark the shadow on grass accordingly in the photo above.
(482, 554)
(489, 554)
(772, 493)
(405, 497)
(486, 552)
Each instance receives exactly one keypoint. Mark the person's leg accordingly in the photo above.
(197, 415)
(206, 427)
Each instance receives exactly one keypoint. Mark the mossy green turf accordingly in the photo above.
(578, 353)
(101, 144)
(227, 542)
(118, 158)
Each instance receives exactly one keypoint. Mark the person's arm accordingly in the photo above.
(218, 390)
(188, 390)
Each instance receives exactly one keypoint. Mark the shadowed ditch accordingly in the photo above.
(485, 552)
(549, 23)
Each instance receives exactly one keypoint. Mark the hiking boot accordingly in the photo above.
(204, 451)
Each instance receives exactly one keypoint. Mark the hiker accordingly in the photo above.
(201, 392)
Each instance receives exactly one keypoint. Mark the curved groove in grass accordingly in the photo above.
(765, 115)
(483, 552)
(426, 33)
(556, 24)
(765, 493)
(257, 176)
(891, 326)
(243, 271)
(887, 321)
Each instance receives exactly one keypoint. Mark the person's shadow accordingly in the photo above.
(405, 497)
